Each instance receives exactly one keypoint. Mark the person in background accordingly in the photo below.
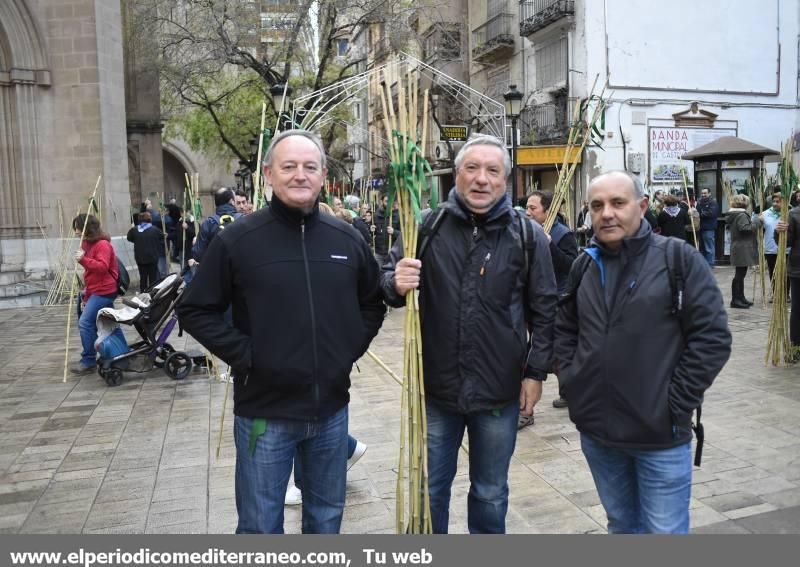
(148, 245)
(744, 247)
(708, 209)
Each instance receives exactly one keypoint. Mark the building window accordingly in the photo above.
(551, 64)
(357, 111)
(342, 45)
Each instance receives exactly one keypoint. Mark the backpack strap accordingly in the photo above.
(576, 272)
(674, 252)
(526, 237)
(429, 226)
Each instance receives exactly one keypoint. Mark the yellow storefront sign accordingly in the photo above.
(546, 155)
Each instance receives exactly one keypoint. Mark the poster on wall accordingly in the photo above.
(668, 144)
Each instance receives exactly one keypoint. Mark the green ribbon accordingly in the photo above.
(259, 428)
(402, 172)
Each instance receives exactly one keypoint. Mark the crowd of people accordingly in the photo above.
(292, 295)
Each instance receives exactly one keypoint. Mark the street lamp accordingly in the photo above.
(349, 162)
(279, 101)
(513, 101)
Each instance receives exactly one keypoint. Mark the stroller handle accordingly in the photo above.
(130, 303)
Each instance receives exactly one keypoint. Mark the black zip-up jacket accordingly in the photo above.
(630, 375)
(382, 235)
(476, 304)
(306, 303)
(148, 245)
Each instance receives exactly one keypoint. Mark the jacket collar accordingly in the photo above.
(631, 246)
(226, 209)
(291, 215)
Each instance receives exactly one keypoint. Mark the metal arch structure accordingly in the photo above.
(315, 110)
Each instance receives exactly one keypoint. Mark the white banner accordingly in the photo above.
(668, 144)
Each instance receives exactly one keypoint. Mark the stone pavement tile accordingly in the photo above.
(121, 529)
(197, 527)
(766, 485)
(169, 518)
(726, 527)
(79, 474)
(12, 524)
(713, 488)
(701, 514)
(125, 512)
(83, 461)
(783, 499)
(49, 521)
(785, 521)
(732, 501)
(585, 499)
(750, 511)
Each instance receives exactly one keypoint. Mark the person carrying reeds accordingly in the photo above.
(792, 228)
(305, 292)
(481, 287)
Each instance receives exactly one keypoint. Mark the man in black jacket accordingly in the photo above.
(386, 228)
(563, 251)
(225, 213)
(306, 298)
(633, 370)
(477, 302)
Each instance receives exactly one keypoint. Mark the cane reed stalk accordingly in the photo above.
(577, 140)
(406, 184)
(758, 186)
(72, 288)
(779, 347)
(689, 204)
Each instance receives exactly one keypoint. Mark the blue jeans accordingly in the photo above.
(262, 477)
(708, 239)
(87, 325)
(298, 474)
(642, 491)
(492, 435)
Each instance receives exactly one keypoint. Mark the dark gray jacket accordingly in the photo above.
(793, 241)
(744, 246)
(477, 306)
(631, 377)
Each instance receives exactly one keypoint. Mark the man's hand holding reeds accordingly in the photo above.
(406, 275)
(781, 226)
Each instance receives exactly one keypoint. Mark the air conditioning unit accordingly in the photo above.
(441, 152)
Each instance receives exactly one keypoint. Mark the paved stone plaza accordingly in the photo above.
(141, 458)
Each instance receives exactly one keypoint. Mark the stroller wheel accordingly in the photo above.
(178, 365)
(113, 376)
(162, 355)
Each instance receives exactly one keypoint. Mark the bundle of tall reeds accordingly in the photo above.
(584, 124)
(407, 182)
(756, 187)
(689, 204)
(779, 346)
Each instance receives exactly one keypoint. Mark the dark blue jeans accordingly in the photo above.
(298, 469)
(262, 477)
(492, 435)
(87, 325)
(642, 491)
(708, 241)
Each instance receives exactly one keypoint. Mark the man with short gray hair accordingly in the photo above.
(485, 278)
(306, 303)
(641, 333)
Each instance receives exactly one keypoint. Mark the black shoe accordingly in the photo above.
(745, 300)
(559, 403)
(81, 369)
(739, 304)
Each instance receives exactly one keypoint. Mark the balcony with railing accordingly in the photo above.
(493, 40)
(547, 123)
(535, 15)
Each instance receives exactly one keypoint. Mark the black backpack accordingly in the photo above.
(123, 279)
(674, 256)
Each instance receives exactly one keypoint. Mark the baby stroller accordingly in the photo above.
(153, 316)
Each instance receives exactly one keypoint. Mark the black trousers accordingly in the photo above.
(148, 276)
(737, 285)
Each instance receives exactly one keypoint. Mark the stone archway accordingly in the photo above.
(23, 72)
(176, 165)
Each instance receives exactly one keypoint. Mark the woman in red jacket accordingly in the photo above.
(99, 261)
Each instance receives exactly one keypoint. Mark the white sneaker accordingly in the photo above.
(361, 448)
(294, 497)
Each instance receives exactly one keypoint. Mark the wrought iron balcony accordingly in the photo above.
(546, 123)
(493, 40)
(535, 15)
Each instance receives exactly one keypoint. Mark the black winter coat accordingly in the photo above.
(382, 236)
(306, 300)
(148, 246)
(631, 376)
(476, 306)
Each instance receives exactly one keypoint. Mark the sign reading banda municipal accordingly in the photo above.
(668, 144)
(453, 133)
